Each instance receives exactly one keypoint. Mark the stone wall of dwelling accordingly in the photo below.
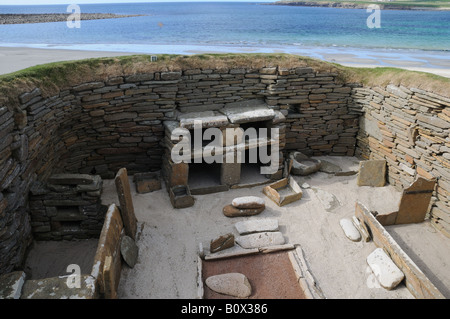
(409, 128)
(320, 118)
(99, 126)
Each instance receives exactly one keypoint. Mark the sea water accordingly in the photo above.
(186, 28)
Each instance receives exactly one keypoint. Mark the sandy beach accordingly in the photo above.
(17, 58)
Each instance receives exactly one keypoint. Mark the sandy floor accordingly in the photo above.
(169, 238)
(14, 59)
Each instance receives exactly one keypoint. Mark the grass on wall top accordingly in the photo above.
(54, 77)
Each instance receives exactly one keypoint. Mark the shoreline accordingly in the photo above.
(19, 18)
(17, 57)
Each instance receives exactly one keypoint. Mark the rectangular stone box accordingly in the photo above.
(180, 196)
(284, 191)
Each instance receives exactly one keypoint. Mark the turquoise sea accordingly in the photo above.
(239, 27)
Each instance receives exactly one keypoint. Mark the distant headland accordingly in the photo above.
(55, 17)
(385, 5)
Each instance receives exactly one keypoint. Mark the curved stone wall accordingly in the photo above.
(98, 124)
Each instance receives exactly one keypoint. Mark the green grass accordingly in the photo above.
(54, 77)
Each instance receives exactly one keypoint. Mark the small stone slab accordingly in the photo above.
(221, 243)
(71, 179)
(129, 250)
(329, 201)
(372, 173)
(384, 269)
(238, 114)
(231, 211)
(349, 229)
(206, 118)
(248, 202)
(126, 202)
(263, 239)
(11, 285)
(231, 284)
(256, 225)
(329, 168)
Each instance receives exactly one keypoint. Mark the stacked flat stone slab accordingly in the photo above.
(409, 129)
(319, 119)
(68, 206)
(232, 120)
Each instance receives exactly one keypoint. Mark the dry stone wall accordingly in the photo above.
(409, 128)
(98, 126)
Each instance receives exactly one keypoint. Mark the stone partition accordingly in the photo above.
(409, 128)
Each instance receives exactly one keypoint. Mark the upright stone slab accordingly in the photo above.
(108, 245)
(372, 173)
(415, 201)
(126, 203)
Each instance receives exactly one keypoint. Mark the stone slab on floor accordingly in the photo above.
(256, 225)
(384, 269)
(232, 284)
(58, 288)
(258, 240)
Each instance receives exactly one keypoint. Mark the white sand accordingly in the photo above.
(15, 58)
(169, 238)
